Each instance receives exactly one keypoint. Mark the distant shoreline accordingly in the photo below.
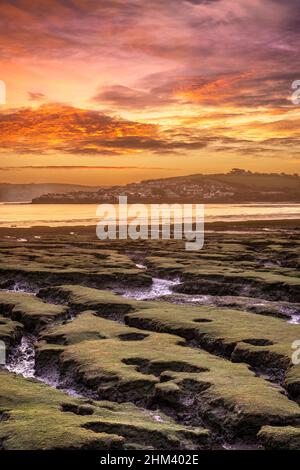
(247, 225)
(165, 201)
(205, 202)
(72, 217)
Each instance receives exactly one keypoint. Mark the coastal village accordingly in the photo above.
(236, 186)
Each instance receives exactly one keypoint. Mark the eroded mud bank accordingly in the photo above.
(171, 362)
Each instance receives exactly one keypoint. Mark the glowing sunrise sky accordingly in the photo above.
(113, 91)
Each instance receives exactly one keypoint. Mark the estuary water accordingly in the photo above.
(26, 214)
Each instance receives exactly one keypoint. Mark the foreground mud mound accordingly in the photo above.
(33, 416)
(128, 364)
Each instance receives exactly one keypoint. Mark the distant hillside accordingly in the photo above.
(242, 178)
(235, 187)
(26, 192)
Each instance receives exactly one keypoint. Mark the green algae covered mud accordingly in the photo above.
(143, 345)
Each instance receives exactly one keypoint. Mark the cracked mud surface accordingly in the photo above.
(145, 345)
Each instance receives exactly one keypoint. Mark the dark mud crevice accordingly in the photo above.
(110, 311)
(114, 316)
(188, 408)
(161, 440)
(217, 348)
(194, 409)
(66, 383)
(17, 287)
(149, 368)
(285, 310)
(272, 375)
(4, 416)
(138, 257)
(258, 342)
(218, 284)
(34, 280)
(133, 336)
(81, 410)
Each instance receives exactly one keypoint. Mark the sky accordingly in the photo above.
(106, 92)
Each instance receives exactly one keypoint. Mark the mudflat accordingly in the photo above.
(141, 344)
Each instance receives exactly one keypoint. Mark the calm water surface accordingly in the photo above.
(26, 215)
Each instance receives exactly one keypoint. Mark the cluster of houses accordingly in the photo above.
(147, 191)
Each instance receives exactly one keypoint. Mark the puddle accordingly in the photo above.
(53, 381)
(141, 266)
(295, 320)
(159, 288)
(22, 362)
(193, 299)
(20, 288)
(22, 359)
(162, 289)
(156, 417)
(242, 446)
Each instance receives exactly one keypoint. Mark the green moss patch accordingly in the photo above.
(280, 438)
(29, 310)
(47, 265)
(36, 417)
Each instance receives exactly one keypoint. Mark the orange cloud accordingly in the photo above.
(54, 128)
(184, 75)
(204, 90)
(57, 127)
